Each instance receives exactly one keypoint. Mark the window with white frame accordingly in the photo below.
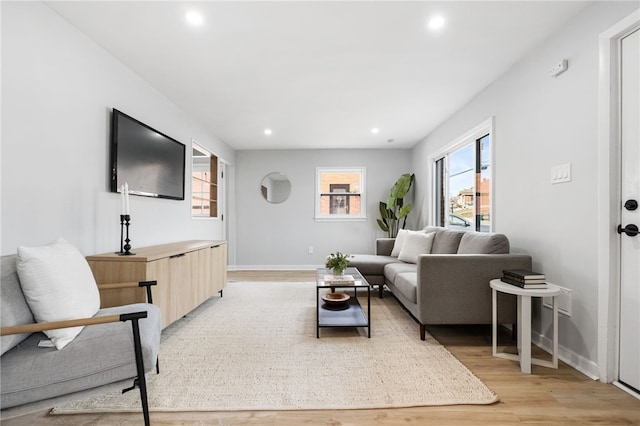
(204, 183)
(463, 181)
(340, 193)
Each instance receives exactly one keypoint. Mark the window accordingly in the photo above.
(340, 193)
(204, 183)
(462, 182)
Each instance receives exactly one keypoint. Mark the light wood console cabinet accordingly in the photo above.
(188, 273)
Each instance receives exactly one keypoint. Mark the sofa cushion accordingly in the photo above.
(370, 264)
(399, 242)
(433, 229)
(58, 285)
(100, 354)
(406, 283)
(415, 244)
(446, 242)
(483, 243)
(393, 269)
(13, 306)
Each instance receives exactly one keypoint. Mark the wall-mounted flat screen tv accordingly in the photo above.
(150, 162)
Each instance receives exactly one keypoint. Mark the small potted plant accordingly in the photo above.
(337, 262)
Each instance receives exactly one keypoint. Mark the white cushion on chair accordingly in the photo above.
(58, 285)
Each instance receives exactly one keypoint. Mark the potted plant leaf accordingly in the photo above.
(395, 210)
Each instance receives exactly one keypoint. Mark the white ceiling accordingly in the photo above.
(320, 74)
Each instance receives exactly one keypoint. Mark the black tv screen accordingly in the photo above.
(150, 162)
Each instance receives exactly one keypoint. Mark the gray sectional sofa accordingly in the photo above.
(100, 354)
(450, 284)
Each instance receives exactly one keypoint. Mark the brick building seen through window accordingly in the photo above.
(340, 193)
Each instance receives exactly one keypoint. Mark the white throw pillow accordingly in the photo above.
(415, 244)
(397, 245)
(58, 285)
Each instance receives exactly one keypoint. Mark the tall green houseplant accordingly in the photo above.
(395, 210)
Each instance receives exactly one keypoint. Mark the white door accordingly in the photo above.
(629, 372)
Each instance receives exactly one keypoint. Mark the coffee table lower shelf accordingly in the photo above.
(352, 316)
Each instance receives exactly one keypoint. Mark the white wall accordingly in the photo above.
(540, 122)
(58, 88)
(279, 235)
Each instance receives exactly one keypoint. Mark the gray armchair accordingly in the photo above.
(117, 343)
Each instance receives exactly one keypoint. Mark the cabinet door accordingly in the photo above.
(163, 292)
(206, 286)
(219, 267)
(119, 272)
(181, 282)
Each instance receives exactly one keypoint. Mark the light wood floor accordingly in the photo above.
(546, 397)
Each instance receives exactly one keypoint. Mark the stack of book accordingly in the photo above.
(338, 279)
(523, 278)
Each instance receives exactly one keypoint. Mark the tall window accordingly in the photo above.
(340, 193)
(204, 183)
(483, 183)
(462, 182)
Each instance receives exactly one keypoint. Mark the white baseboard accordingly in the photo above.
(273, 267)
(580, 363)
(627, 389)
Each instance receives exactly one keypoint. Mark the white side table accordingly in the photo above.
(524, 323)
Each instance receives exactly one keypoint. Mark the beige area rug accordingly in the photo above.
(256, 349)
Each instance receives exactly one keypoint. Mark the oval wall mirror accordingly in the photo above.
(275, 187)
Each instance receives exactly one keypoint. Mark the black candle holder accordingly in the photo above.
(125, 247)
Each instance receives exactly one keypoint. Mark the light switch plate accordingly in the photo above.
(561, 173)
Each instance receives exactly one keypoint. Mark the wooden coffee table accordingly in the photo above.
(351, 314)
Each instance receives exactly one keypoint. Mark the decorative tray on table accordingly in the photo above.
(335, 301)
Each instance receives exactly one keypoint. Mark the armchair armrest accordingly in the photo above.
(117, 294)
(53, 325)
(132, 284)
(134, 317)
(454, 288)
(113, 286)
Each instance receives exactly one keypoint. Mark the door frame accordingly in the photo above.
(608, 198)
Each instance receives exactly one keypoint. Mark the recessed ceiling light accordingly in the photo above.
(268, 132)
(436, 23)
(194, 18)
(375, 130)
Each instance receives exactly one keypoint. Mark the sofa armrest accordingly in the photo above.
(384, 246)
(54, 325)
(454, 288)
